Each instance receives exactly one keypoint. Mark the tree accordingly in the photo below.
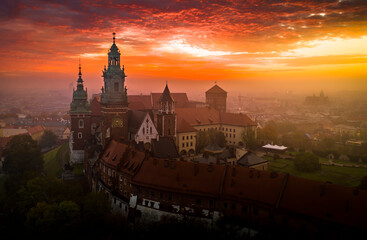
(249, 139)
(22, 154)
(217, 137)
(306, 162)
(269, 132)
(48, 139)
(202, 140)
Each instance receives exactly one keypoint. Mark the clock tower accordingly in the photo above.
(114, 104)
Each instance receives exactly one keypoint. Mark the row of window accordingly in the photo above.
(230, 135)
(146, 132)
(187, 137)
(187, 144)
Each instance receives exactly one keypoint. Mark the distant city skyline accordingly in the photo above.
(243, 45)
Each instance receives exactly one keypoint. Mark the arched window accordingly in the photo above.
(81, 123)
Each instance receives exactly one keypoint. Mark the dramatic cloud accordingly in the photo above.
(192, 40)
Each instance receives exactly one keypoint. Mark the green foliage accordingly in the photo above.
(306, 162)
(212, 136)
(249, 139)
(53, 160)
(48, 139)
(22, 154)
(269, 132)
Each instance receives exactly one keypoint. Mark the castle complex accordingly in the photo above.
(131, 147)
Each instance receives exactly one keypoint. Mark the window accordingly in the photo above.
(151, 130)
(234, 135)
(183, 137)
(183, 144)
(187, 144)
(116, 87)
(143, 130)
(80, 135)
(190, 144)
(191, 137)
(187, 137)
(230, 135)
(230, 129)
(234, 130)
(81, 123)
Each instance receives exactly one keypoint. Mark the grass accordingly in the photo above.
(53, 160)
(345, 176)
(78, 169)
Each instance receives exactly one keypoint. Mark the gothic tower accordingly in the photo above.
(216, 98)
(166, 117)
(80, 115)
(114, 104)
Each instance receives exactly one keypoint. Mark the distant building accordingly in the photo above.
(317, 100)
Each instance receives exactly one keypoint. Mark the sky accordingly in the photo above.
(243, 46)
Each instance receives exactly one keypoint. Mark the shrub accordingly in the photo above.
(306, 162)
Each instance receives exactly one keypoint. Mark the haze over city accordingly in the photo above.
(246, 46)
(223, 119)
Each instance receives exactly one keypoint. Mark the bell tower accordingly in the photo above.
(166, 117)
(114, 104)
(80, 115)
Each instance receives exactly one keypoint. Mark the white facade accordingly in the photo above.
(147, 131)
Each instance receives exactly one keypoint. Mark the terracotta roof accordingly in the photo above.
(165, 147)
(180, 99)
(326, 201)
(114, 153)
(179, 176)
(199, 116)
(139, 102)
(236, 119)
(35, 129)
(123, 157)
(216, 89)
(183, 126)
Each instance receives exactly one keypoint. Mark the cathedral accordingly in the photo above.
(164, 123)
(108, 116)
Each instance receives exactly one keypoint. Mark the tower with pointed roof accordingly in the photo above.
(216, 98)
(114, 103)
(166, 116)
(80, 115)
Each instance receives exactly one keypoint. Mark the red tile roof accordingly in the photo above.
(179, 176)
(183, 126)
(236, 119)
(208, 116)
(122, 157)
(140, 102)
(199, 116)
(179, 98)
(326, 201)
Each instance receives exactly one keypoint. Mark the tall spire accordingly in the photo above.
(80, 80)
(114, 38)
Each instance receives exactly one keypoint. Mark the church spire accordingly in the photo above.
(114, 38)
(80, 80)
